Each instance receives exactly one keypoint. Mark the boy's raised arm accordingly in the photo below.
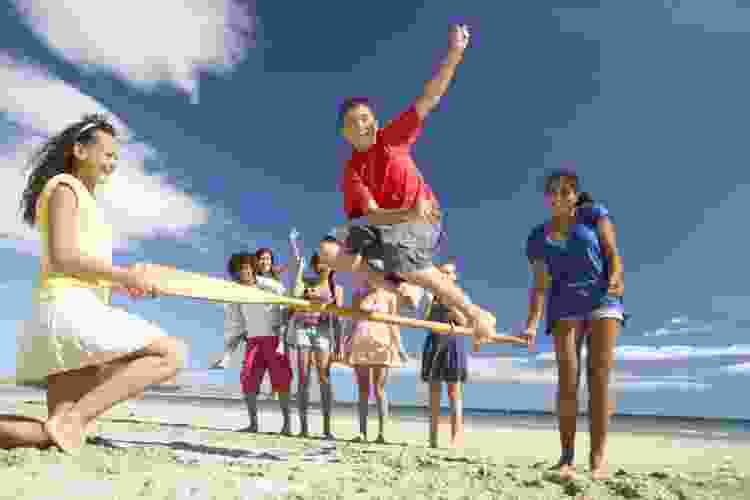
(438, 86)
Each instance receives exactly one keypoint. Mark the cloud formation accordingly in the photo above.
(36, 105)
(681, 325)
(143, 42)
(717, 16)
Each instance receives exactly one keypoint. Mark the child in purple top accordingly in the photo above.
(578, 273)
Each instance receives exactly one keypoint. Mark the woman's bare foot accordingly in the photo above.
(66, 430)
(564, 470)
(598, 469)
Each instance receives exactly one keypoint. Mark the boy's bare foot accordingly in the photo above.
(483, 323)
(66, 431)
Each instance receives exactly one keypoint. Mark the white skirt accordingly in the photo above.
(76, 330)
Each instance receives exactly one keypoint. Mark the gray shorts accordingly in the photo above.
(397, 248)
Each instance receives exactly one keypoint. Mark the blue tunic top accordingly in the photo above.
(578, 266)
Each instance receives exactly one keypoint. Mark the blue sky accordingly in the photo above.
(231, 112)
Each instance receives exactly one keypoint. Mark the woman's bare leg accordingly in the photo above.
(17, 431)
(567, 393)
(603, 340)
(435, 393)
(154, 364)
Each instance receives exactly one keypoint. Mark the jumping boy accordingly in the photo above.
(382, 183)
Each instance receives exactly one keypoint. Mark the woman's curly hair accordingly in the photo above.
(55, 157)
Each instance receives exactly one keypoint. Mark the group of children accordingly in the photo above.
(91, 356)
(277, 337)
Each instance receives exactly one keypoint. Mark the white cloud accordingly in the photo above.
(722, 16)
(734, 306)
(655, 385)
(37, 105)
(673, 355)
(143, 41)
(681, 325)
(738, 369)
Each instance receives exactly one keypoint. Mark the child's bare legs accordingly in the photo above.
(70, 413)
(363, 390)
(435, 393)
(304, 370)
(567, 392)
(380, 377)
(322, 362)
(455, 397)
(603, 337)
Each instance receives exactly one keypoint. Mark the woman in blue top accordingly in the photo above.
(578, 272)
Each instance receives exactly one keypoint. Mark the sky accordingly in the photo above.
(230, 110)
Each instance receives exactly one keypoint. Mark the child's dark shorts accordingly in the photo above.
(397, 248)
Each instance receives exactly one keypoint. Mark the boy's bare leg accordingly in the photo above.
(432, 279)
(333, 255)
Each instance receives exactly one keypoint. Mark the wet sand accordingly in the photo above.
(160, 447)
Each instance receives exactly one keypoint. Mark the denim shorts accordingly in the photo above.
(605, 312)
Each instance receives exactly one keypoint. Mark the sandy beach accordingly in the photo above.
(186, 447)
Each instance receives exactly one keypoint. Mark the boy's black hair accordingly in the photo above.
(349, 103)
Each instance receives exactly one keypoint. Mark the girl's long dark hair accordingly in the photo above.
(314, 261)
(275, 270)
(55, 157)
(236, 261)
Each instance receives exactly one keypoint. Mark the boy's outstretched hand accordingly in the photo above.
(459, 37)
